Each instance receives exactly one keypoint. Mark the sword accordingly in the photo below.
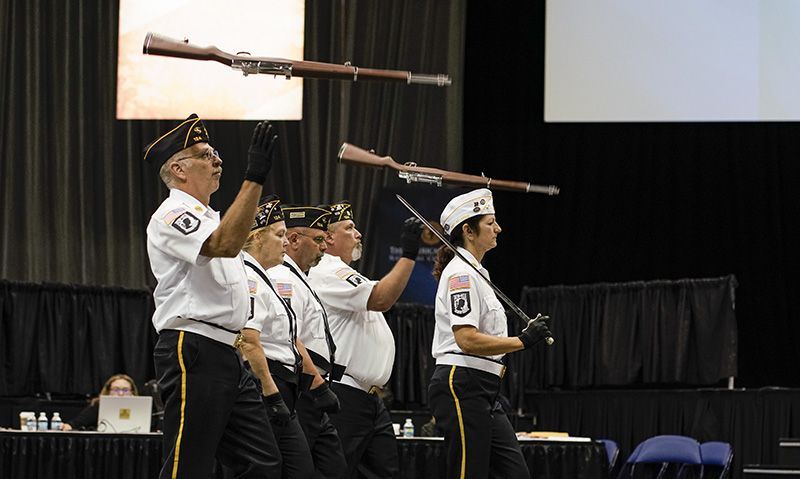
(517, 310)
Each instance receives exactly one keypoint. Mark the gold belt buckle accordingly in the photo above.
(237, 343)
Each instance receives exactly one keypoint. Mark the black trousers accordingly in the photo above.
(322, 438)
(297, 462)
(478, 436)
(212, 409)
(365, 429)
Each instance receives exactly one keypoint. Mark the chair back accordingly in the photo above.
(717, 454)
(612, 451)
(666, 450)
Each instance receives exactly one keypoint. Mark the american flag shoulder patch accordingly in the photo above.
(172, 215)
(459, 281)
(252, 285)
(284, 289)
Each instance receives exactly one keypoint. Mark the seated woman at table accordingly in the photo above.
(116, 385)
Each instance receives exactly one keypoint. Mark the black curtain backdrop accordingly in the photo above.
(76, 195)
(638, 201)
(69, 339)
(631, 334)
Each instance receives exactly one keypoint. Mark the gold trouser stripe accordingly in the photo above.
(183, 406)
(460, 426)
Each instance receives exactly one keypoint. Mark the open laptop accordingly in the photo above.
(130, 414)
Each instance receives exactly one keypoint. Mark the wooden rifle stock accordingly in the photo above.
(353, 155)
(155, 44)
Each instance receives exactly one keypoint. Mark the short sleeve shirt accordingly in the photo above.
(310, 321)
(269, 315)
(364, 342)
(190, 285)
(464, 298)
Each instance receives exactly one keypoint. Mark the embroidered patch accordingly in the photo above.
(457, 282)
(460, 304)
(284, 290)
(186, 223)
(344, 272)
(171, 215)
(252, 285)
(355, 279)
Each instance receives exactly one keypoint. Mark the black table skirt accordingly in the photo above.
(425, 459)
(73, 455)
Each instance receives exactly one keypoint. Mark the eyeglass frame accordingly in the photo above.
(123, 390)
(318, 240)
(207, 154)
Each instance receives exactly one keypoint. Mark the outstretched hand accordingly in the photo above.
(410, 237)
(261, 152)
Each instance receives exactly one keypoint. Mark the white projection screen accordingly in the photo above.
(676, 60)
(155, 87)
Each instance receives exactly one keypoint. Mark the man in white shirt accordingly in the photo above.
(306, 235)
(364, 342)
(212, 408)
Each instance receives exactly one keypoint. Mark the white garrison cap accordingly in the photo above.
(464, 207)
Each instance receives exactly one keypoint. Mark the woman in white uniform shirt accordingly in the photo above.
(469, 342)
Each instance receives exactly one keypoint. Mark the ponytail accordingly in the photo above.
(445, 254)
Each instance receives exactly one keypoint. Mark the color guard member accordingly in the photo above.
(212, 407)
(364, 342)
(469, 342)
(270, 343)
(306, 234)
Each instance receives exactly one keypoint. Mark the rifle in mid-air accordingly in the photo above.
(353, 155)
(155, 44)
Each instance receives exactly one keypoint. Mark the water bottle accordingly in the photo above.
(41, 424)
(55, 422)
(408, 428)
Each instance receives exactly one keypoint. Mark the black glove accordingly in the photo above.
(409, 237)
(277, 411)
(324, 399)
(535, 331)
(259, 156)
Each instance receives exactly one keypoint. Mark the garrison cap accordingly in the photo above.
(308, 216)
(186, 134)
(463, 207)
(341, 211)
(269, 211)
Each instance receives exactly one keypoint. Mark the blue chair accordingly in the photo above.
(666, 450)
(612, 451)
(717, 454)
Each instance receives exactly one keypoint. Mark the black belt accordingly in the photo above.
(277, 368)
(213, 325)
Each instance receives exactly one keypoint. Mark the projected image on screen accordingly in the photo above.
(682, 60)
(154, 87)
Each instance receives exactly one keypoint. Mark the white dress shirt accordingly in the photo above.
(364, 342)
(310, 319)
(269, 315)
(464, 298)
(207, 296)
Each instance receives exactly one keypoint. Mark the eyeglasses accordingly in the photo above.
(207, 155)
(120, 390)
(316, 239)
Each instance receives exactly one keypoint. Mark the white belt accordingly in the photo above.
(367, 388)
(487, 365)
(225, 337)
